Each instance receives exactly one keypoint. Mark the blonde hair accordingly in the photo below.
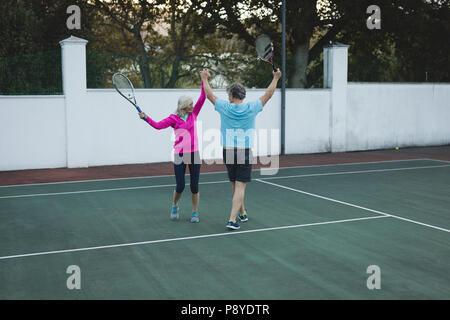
(183, 102)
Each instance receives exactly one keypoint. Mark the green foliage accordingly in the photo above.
(38, 73)
(30, 54)
(166, 43)
(411, 45)
(421, 36)
(22, 70)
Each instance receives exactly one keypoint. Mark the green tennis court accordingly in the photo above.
(312, 233)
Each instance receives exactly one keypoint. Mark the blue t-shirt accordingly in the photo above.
(238, 122)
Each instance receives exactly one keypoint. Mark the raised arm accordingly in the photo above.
(165, 123)
(200, 101)
(271, 88)
(209, 93)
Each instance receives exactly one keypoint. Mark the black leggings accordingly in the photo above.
(181, 161)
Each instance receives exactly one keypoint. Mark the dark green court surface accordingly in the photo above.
(312, 233)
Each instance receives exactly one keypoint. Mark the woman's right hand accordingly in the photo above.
(204, 74)
(142, 115)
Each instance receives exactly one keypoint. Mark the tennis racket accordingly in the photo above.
(125, 88)
(264, 48)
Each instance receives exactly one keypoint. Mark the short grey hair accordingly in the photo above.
(237, 91)
(183, 102)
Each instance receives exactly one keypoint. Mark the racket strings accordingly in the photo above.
(269, 52)
(264, 47)
(123, 85)
(120, 82)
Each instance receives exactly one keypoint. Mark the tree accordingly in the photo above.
(421, 34)
(164, 43)
(161, 36)
(250, 18)
(409, 47)
(31, 62)
(131, 19)
(374, 54)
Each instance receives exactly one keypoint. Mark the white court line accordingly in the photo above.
(353, 172)
(353, 205)
(223, 181)
(100, 190)
(99, 180)
(229, 233)
(216, 172)
(437, 160)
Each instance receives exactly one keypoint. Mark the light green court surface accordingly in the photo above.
(312, 233)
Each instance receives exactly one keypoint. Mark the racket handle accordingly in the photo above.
(138, 109)
(273, 67)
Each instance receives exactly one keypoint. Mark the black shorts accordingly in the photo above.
(239, 164)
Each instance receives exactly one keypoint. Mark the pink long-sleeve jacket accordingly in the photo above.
(185, 131)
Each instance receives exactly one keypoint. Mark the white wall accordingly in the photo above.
(118, 136)
(32, 132)
(121, 137)
(307, 121)
(386, 115)
(33, 129)
(98, 127)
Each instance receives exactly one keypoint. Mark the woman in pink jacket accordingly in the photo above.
(184, 123)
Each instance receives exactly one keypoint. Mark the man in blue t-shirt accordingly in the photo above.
(238, 129)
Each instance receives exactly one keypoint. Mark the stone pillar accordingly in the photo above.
(73, 54)
(335, 63)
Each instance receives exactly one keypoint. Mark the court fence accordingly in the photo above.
(90, 127)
